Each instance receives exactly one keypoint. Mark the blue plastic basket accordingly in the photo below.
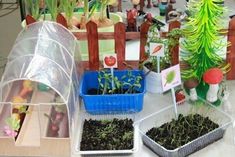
(115, 103)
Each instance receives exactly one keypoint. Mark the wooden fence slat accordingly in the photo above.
(175, 50)
(143, 39)
(174, 24)
(29, 20)
(61, 20)
(120, 43)
(230, 58)
(93, 45)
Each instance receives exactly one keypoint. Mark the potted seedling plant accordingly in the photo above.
(161, 48)
(53, 7)
(104, 92)
(68, 8)
(75, 20)
(34, 8)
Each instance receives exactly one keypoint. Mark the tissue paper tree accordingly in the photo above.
(202, 41)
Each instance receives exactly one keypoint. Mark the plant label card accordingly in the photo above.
(171, 77)
(157, 49)
(110, 60)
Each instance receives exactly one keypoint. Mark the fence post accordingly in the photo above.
(120, 43)
(143, 39)
(230, 58)
(175, 50)
(61, 20)
(93, 45)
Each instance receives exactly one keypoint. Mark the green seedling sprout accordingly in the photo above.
(118, 85)
(103, 7)
(107, 79)
(128, 81)
(34, 9)
(88, 14)
(68, 7)
(53, 8)
(86, 9)
(132, 82)
(171, 135)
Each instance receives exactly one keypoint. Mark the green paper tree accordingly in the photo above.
(202, 39)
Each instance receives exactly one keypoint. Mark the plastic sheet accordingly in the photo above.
(44, 53)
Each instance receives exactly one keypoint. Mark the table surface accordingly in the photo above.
(155, 102)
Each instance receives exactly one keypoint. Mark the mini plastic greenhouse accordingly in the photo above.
(38, 99)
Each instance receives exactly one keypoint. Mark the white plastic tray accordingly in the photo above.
(87, 116)
(166, 114)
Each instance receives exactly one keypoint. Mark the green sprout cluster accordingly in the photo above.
(33, 7)
(171, 40)
(68, 7)
(127, 84)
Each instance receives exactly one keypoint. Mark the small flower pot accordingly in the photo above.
(153, 81)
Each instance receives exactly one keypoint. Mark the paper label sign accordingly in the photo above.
(157, 49)
(171, 77)
(110, 61)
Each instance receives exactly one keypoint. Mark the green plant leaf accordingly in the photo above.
(33, 7)
(53, 8)
(170, 76)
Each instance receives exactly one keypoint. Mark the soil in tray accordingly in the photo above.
(116, 134)
(95, 91)
(179, 132)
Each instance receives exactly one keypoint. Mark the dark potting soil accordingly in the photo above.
(153, 68)
(150, 66)
(116, 134)
(179, 132)
(94, 91)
